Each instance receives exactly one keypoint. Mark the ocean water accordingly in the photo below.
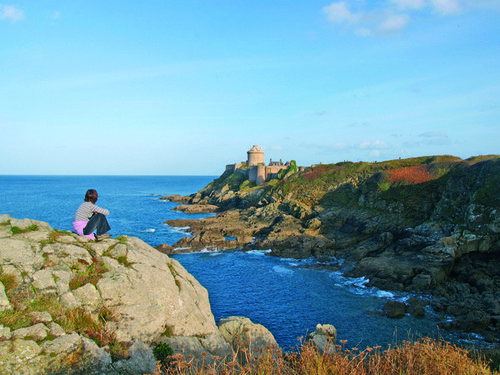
(287, 296)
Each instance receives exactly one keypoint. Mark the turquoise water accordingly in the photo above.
(287, 296)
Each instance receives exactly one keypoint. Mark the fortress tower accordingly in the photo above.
(255, 156)
(255, 169)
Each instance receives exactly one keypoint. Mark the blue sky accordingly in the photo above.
(185, 87)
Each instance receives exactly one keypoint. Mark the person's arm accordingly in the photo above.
(100, 210)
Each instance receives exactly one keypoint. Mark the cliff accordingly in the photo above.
(429, 224)
(71, 305)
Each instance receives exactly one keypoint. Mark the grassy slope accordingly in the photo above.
(417, 183)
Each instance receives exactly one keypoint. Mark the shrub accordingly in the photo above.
(410, 175)
(426, 356)
(161, 352)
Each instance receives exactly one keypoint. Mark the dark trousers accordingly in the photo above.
(99, 222)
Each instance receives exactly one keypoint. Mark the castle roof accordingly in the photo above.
(255, 148)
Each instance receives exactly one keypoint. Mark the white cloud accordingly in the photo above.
(375, 145)
(447, 6)
(386, 18)
(339, 13)
(10, 13)
(367, 23)
(393, 24)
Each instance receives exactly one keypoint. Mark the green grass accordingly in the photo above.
(17, 230)
(91, 274)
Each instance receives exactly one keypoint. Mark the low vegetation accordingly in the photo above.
(27, 300)
(17, 230)
(91, 274)
(426, 356)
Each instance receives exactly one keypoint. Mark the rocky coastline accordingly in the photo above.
(72, 305)
(427, 225)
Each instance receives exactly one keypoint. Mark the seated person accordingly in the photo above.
(90, 218)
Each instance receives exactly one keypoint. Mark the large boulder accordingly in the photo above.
(246, 336)
(324, 338)
(95, 307)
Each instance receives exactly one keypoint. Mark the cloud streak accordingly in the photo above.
(392, 17)
(10, 13)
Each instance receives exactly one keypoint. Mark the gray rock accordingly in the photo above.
(43, 280)
(210, 349)
(20, 254)
(15, 355)
(41, 317)
(143, 300)
(56, 330)
(145, 306)
(69, 301)
(4, 333)
(27, 223)
(119, 250)
(70, 255)
(4, 218)
(324, 338)
(242, 333)
(88, 297)
(63, 344)
(37, 332)
(141, 361)
(4, 300)
(394, 309)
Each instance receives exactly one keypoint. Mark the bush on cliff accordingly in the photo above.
(426, 356)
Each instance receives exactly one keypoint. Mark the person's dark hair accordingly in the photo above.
(91, 196)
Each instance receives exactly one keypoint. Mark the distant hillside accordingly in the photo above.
(428, 224)
(417, 183)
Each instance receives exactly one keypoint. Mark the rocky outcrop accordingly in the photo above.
(324, 338)
(246, 336)
(74, 305)
(196, 208)
(420, 225)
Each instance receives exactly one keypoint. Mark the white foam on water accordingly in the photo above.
(215, 253)
(258, 252)
(209, 249)
(151, 230)
(181, 248)
(358, 286)
(282, 270)
(384, 294)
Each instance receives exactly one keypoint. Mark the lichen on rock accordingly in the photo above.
(72, 305)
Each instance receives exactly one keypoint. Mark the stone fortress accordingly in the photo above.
(255, 169)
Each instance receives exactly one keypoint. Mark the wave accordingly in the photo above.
(151, 230)
(282, 270)
(179, 229)
(258, 252)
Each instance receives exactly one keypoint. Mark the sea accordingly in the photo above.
(288, 296)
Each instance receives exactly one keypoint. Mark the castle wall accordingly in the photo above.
(255, 168)
(272, 171)
(261, 174)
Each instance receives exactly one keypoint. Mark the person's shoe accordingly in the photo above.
(102, 236)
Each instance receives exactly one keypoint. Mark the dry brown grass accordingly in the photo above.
(426, 356)
(410, 175)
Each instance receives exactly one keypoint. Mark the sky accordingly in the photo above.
(163, 87)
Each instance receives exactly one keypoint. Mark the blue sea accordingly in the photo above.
(287, 296)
